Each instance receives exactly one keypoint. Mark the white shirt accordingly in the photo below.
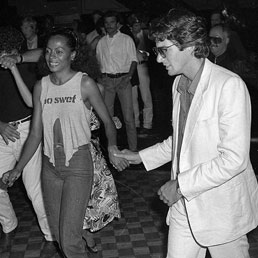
(116, 54)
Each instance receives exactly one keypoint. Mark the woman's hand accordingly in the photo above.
(11, 176)
(117, 162)
(131, 156)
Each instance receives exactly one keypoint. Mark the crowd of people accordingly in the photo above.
(65, 84)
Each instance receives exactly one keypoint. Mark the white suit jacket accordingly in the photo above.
(216, 177)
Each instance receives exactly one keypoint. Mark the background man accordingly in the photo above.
(116, 53)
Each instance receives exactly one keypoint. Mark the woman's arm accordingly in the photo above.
(23, 89)
(92, 97)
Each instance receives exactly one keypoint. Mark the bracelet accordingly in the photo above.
(21, 59)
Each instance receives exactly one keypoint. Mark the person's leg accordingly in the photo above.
(90, 242)
(124, 92)
(235, 249)
(78, 178)
(109, 94)
(32, 182)
(52, 187)
(144, 87)
(8, 218)
(181, 243)
(136, 106)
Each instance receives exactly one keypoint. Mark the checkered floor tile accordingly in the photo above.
(140, 233)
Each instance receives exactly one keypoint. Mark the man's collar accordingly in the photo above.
(117, 32)
(185, 84)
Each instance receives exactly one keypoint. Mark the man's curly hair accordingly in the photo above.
(10, 39)
(183, 28)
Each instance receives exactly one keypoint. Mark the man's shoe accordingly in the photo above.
(50, 249)
(6, 241)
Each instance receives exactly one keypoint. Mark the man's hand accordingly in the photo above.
(9, 132)
(11, 176)
(168, 192)
(132, 157)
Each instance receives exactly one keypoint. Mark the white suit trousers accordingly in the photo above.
(9, 155)
(181, 243)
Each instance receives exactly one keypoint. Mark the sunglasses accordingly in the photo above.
(215, 40)
(161, 50)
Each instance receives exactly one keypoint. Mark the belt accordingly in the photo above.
(17, 122)
(114, 75)
(142, 62)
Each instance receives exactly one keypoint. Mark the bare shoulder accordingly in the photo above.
(87, 81)
(88, 86)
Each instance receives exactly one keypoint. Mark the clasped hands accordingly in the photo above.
(8, 61)
(168, 192)
(122, 159)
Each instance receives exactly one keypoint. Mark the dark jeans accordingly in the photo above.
(66, 192)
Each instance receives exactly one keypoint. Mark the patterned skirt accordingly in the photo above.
(103, 205)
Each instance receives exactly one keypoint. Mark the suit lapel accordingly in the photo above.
(175, 119)
(196, 106)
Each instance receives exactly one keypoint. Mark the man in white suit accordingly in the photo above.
(213, 193)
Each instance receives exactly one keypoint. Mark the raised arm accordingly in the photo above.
(10, 61)
(22, 87)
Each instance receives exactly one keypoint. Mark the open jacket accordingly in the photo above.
(216, 177)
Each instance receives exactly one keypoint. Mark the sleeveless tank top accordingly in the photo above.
(64, 102)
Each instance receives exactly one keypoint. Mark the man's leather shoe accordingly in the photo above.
(6, 241)
(49, 250)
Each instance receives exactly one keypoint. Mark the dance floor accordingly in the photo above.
(140, 233)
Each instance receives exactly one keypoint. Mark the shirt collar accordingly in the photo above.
(115, 35)
(186, 84)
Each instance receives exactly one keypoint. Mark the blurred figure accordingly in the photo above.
(235, 46)
(220, 38)
(220, 54)
(141, 38)
(30, 31)
(96, 15)
(100, 29)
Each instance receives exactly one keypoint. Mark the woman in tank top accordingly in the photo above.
(63, 102)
